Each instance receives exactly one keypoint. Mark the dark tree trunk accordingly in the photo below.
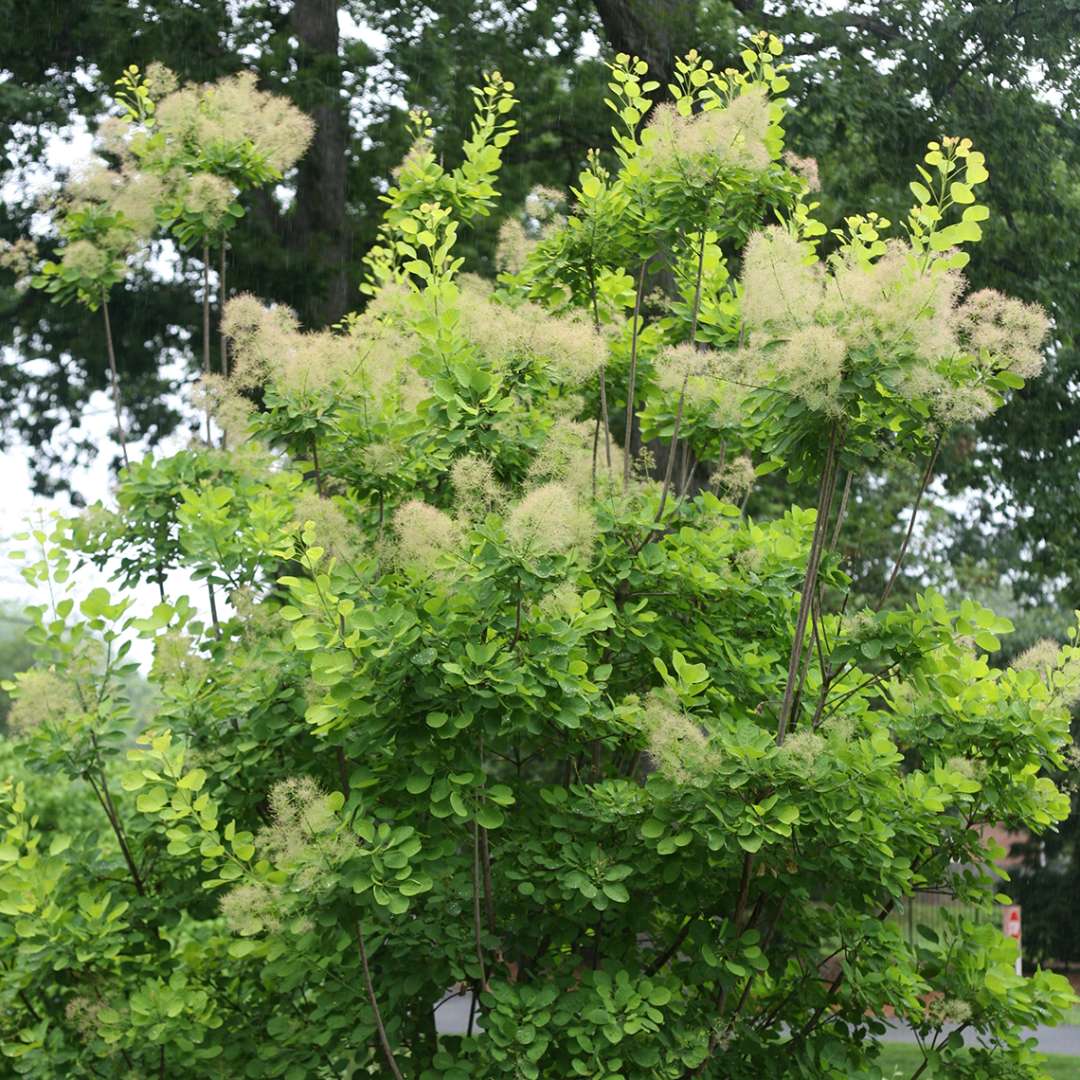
(657, 31)
(316, 232)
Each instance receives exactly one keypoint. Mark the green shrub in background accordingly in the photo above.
(509, 698)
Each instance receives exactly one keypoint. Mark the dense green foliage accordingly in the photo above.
(495, 704)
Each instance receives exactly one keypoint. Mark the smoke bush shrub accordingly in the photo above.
(510, 698)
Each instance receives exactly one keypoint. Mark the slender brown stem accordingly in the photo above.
(489, 886)
(206, 329)
(477, 921)
(315, 464)
(29, 1007)
(841, 512)
(517, 623)
(213, 609)
(384, 1041)
(669, 468)
(603, 378)
(222, 297)
(595, 451)
(673, 948)
(114, 380)
(697, 288)
(826, 490)
(107, 805)
(604, 419)
(923, 483)
(343, 772)
(632, 377)
(744, 890)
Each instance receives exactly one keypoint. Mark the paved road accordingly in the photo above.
(1052, 1040)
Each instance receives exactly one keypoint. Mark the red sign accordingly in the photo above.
(1010, 921)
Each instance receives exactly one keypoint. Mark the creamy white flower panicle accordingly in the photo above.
(780, 289)
(808, 322)
(566, 455)
(707, 141)
(1041, 657)
(514, 246)
(42, 697)
(550, 520)
(736, 478)
(1009, 332)
(232, 112)
(678, 746)
(333, 530)
(476, 491)
(424, 535)
(570, 347)
(269, 347)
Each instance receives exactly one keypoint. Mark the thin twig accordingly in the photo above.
(315, 465)
(603, 378)
(206, 330)
(841, 512)
(222, 297)
(827, 487)
(927, 473)
(107, 805)
(659, 961)
(114, 379)
(388, 1052)
(632, 377)
(213, 609)
(670, 466)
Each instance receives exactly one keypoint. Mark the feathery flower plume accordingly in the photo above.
(566, 455)
(425, 534)
(514, 246)
(780, 289)
(550, 521)
(233, 411)
(678, 746)
(476, 491)
(251, 908)
(303, 837)
(736, 478)
(1009, 331)
(570, 347)
(159, 80)
(805, 167)
(176, 660)
(269, 347)
(1041, 657)
(41, 697)
(811, 364)
(686, 364)
(333, 530)
(19, 256)
(233, 112)
(732, 136)
(81, 1012)
(542, 204)
(802, 750)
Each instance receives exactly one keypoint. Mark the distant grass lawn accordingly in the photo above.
(907, 1059)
